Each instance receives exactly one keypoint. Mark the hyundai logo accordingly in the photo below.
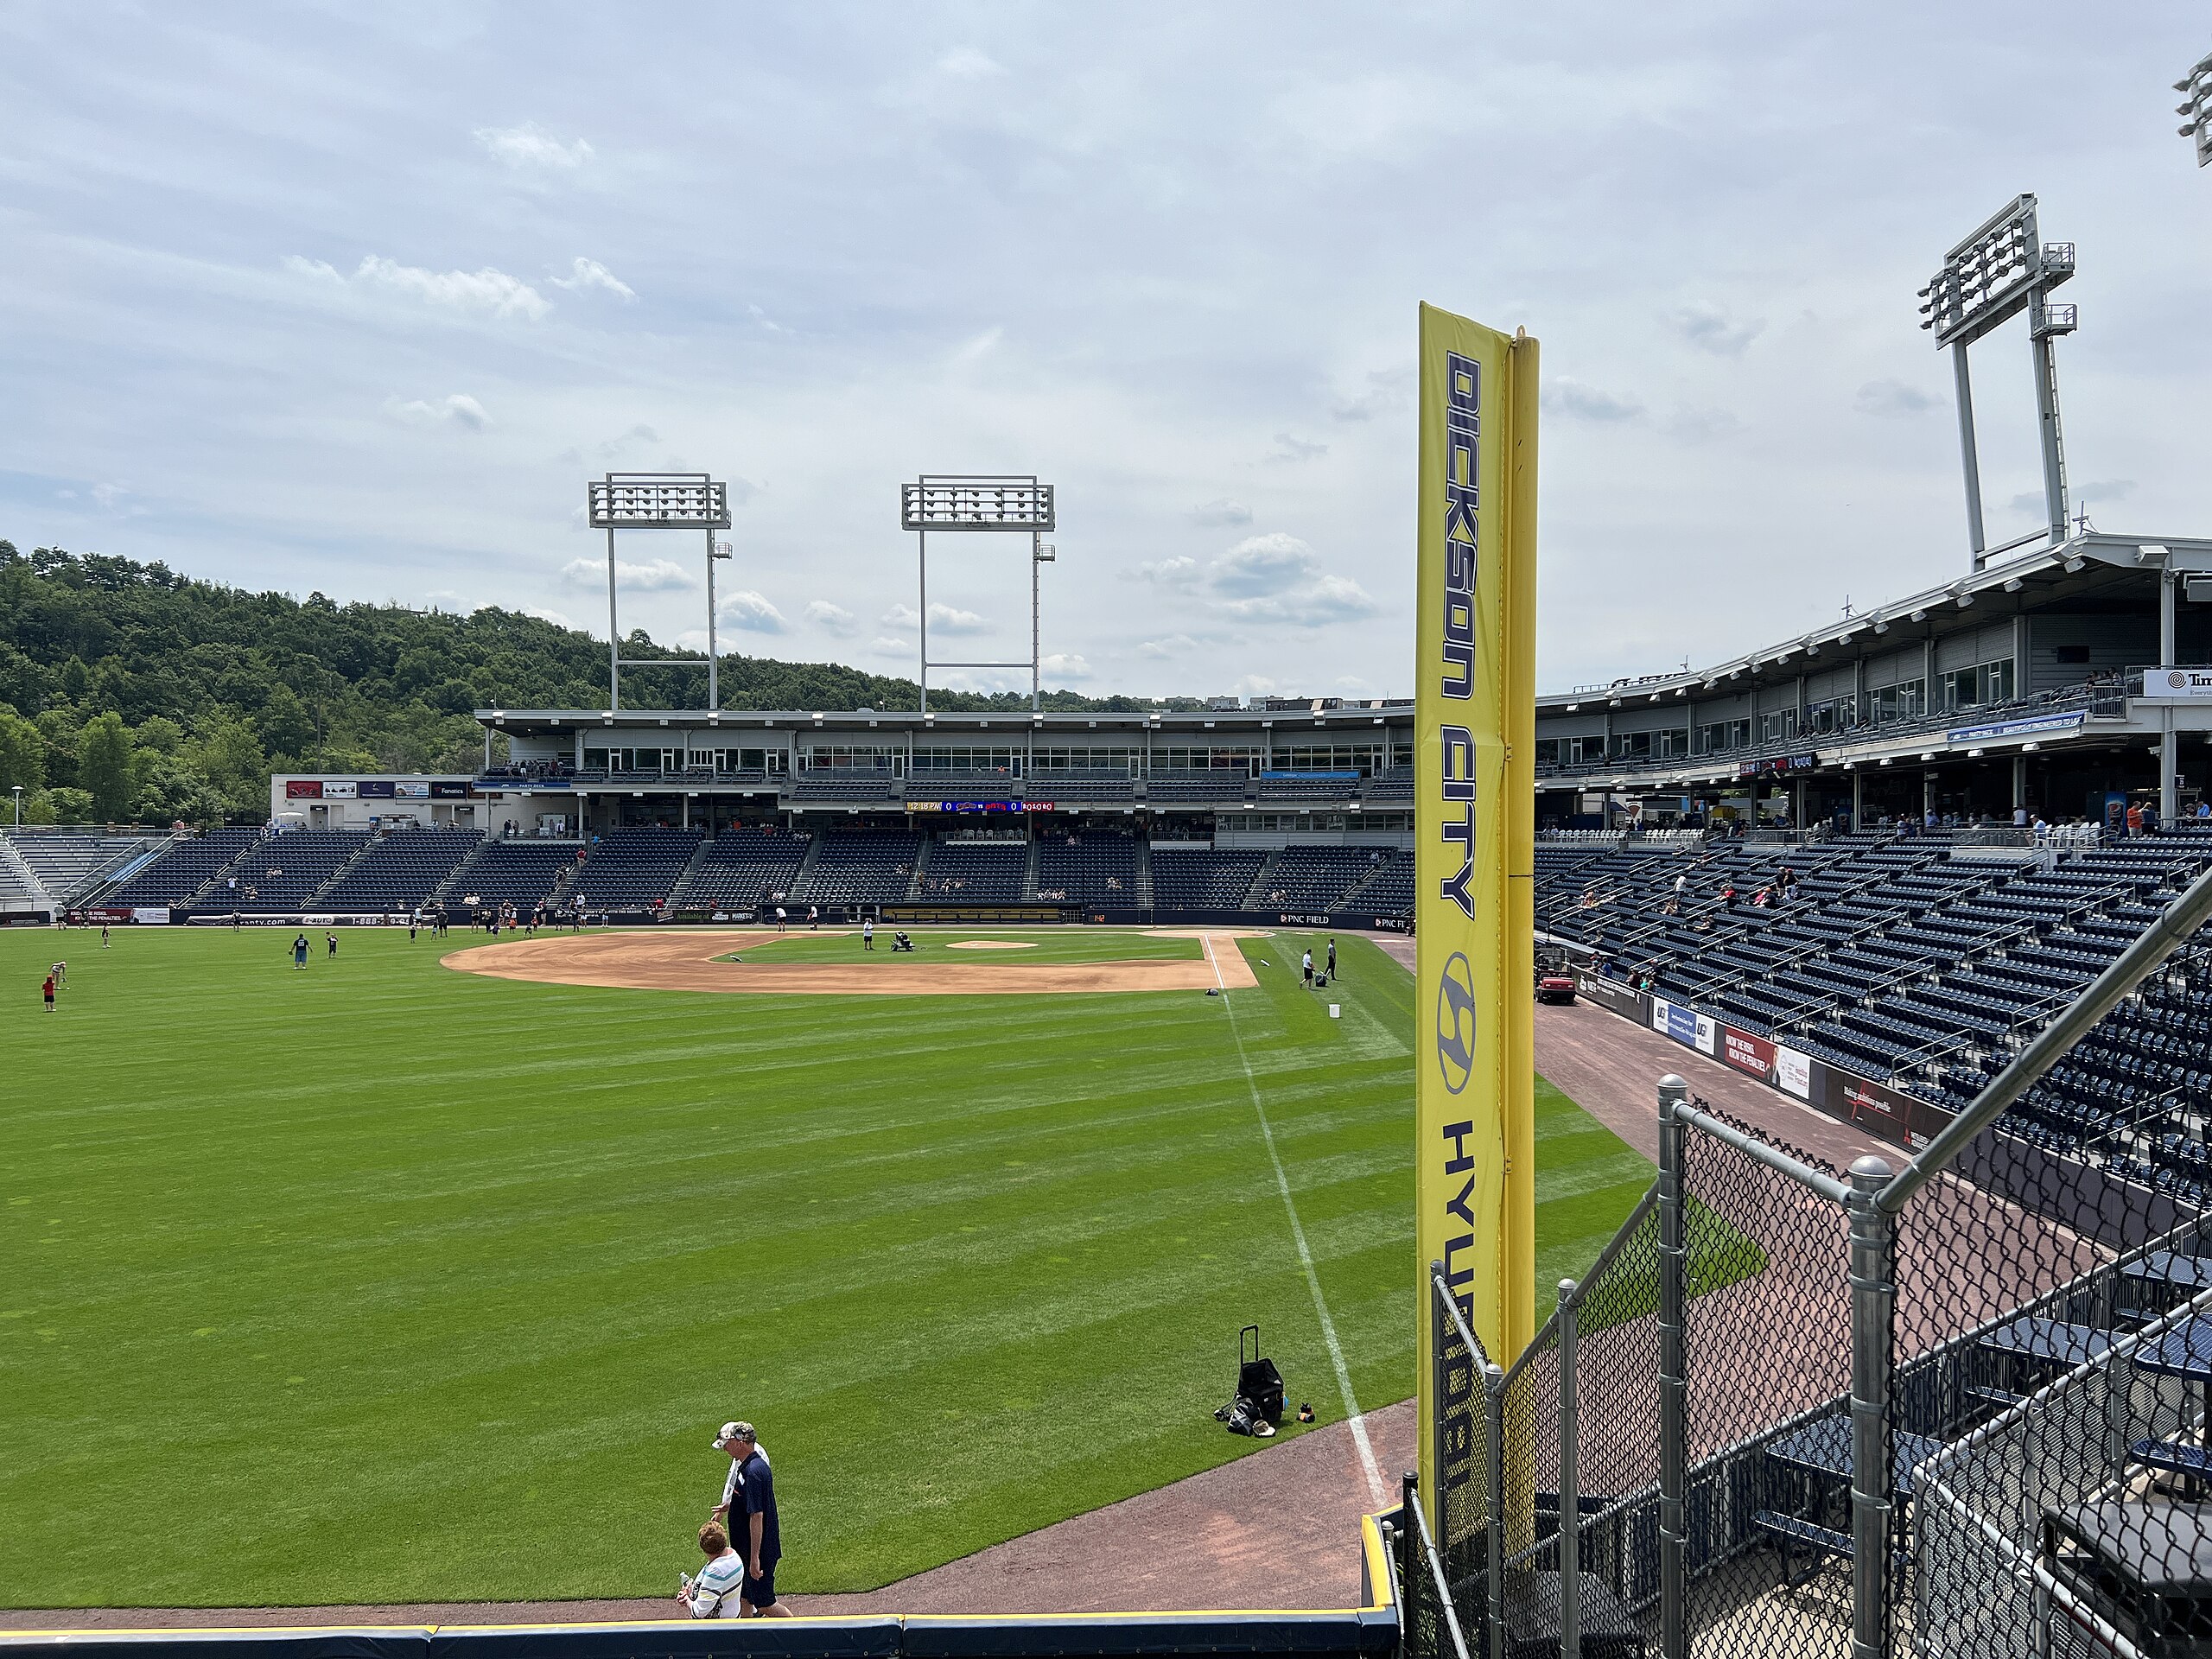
(1455, 1023)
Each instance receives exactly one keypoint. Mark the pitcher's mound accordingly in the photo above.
(990, 945)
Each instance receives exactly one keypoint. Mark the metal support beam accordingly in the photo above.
(2054, 453)
(1873, 1296)
(1962, 377)
(2169, 756)
(1570, 1479)
(613, 632)
(1674, 1369)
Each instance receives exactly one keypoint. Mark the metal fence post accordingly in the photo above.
(1494, 1405)
(1674, 1386)
(1570, 1484)
(1438, 1334)
(1873, 1296)
(1412, 1570)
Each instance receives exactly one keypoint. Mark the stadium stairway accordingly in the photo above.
(1144, 872)
(919, 885)
(1029, 873)
(17, 879)
(1255, 896)
(314, 901)
(699, 857)
(804, 877)
(458, 874)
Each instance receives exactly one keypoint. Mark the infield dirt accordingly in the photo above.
(699, 962)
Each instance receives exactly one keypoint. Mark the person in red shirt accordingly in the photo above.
(47, 991)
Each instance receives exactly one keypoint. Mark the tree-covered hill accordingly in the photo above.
(128, 691)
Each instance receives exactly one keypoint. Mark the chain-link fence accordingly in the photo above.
(1961, 1407)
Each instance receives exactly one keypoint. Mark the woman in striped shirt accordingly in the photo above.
(719, 1581)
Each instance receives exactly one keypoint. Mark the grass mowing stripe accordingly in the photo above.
(1352, 1414)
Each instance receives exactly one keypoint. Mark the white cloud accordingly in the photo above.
(1586, 402)
(1222, 513)
(1174, 645)
(1386, 391)
(1260, 562)
(656, 576)
(456, 408)
(589, 273)
(530, 145)
(1694, 424)
(831, 619)
(943, 618)
(968, 63)
(639, 434)
(1182, 572)
(461, 291)
(110, 495)
(1711, 329)
(767, 323)
(1888, 398)
(1064, 665)
(751, 612)
(544, 615)
(1290, 450)
(885, 646)
(1326, 600)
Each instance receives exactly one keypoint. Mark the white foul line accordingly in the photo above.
(1353, 1415)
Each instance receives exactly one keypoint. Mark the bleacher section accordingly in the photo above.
(1389, 893)
(1317, 878)
(184, 868)
(64, 862)
(1899, 959)
(635, 868)
(1202, 878)
(285, 871)
(1092, 866)
(399, 871)
(513, 872)
(975, 872)
(1224, 785)
(743, 868)
(863, 866)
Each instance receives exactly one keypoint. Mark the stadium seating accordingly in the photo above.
(510, 872)
(634, 868)
(63, 863)
(1107, 788)
(863, 866)
(399, 871)
(1219, 785)
(285, 872)
(1316, 878)
(743, 867)
(975, 872)
(1388, 891)
(1202, 878)
(1092, 866)
(184, 867)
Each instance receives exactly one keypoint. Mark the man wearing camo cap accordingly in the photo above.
(748, 1511)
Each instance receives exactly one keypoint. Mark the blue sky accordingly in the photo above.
(355, 298)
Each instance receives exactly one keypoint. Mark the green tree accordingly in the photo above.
(23, 752)
(104, 770)
(287, 726)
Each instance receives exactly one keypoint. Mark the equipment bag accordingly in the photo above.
(1257, 1379)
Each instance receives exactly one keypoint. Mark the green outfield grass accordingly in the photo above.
(380, 1282)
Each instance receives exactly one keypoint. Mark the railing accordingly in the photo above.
(1794, 1411)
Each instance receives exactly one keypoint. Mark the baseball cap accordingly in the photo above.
(733, 1431)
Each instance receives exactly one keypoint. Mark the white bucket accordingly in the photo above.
(1336, 1010)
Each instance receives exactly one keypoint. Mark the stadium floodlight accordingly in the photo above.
(659, 501)
(2196, 106)
(987, 502)
(2004, 269)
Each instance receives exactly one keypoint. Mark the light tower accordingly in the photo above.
(2000, 271)
(659, 501)
(989, 502)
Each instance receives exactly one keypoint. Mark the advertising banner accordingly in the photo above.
(1794, 1072)
(2176, 684)
(2029, 726)
(303, 789)
(1474, 863)
(333, 790)
(1707, 1040)
(377, 789)
(406, 792)
(1746, 1053)
(449, 789)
